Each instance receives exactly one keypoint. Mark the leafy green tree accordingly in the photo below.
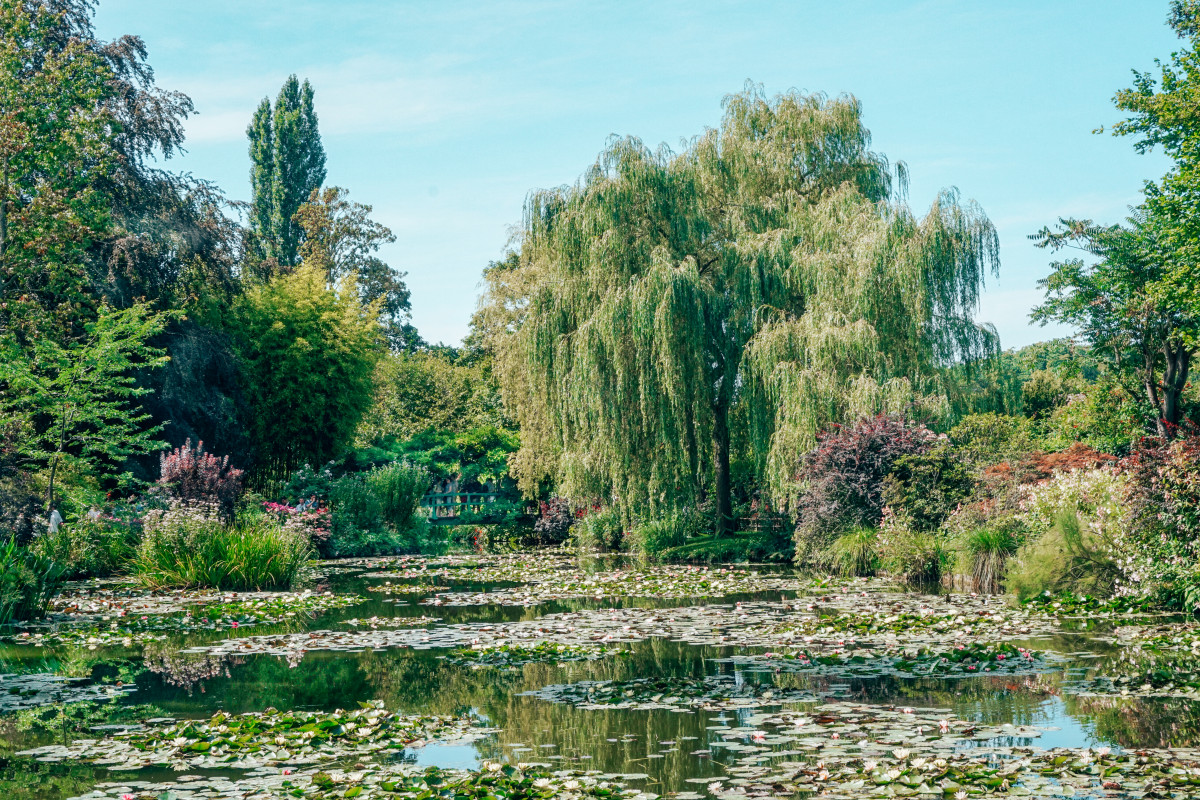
(423, 391)
(1130, 304)
(309, 352)
(54, 139)
(765, 273)
(79, 400)
(341, 238)
(287, 165)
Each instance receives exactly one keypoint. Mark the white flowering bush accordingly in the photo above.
(1097, 494)
(1079, 521)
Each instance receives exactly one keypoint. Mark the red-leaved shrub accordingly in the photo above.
(193, 476)
(844, 475)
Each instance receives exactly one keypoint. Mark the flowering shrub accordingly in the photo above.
(1164, 514)
(314, 523)
(1098, 494)
(192, 475)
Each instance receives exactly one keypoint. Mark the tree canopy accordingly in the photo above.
(762, 282)
(287, 166)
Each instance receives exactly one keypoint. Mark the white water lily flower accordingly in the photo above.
(571, 786)
(940, 762)
(541, 783)
(960, 795)
(714, 787)
(900, 754)
(919, 762)
(870, 765)
(1103, 751)
(892, 774)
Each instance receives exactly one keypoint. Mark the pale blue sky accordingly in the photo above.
(444, 115)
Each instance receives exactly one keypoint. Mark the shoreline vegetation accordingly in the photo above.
(727, 493)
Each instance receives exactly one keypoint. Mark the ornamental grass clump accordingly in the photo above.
(190, 547)
(985, 553)
(28, 581)
(856, 552)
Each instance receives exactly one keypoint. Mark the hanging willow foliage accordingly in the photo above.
(769, 270)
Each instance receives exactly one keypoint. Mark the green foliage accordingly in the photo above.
(984, 440)
(78, 400)
(306, 482)
(423, 392)
(926, 487)
(651, 540)
(1042, 393)
(288, 164)
(916, 557)
(766, 256)
(341, 238)
(28, 581)
(1072, 557)
(600, 530)
(89, 548)
(1103, 416)
(54, 120)
(398, 488)
(186, 549)
(375, 513)
(856, 552)
(1128, 306)
(984, 553)
(309, 352)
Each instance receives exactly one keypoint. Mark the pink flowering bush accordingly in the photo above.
(193, 476)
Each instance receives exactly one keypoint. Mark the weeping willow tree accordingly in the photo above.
(768, 277)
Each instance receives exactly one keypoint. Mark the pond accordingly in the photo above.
(539, 674)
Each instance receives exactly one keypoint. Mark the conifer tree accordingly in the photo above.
(287, 164)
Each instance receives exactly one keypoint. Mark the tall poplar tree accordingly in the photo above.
(287, 164)
(752, 288)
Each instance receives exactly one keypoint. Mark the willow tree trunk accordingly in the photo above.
(721, 487)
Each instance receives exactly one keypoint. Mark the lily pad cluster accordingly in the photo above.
(247, 741)
(665, 582)
(512, 655)
(976, 658)
(519, 782)
(36, 690)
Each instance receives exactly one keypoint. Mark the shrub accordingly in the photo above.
(600, 530)
(28, 581)
(191, 475)
(89, 548)
(926, 487)
(399, 488)
(1071, 557)
(916, 557)
(306, 483)
(855, 552)
(652, 540)
(1160, 544)
(1104, 417)
(554, 521)
(844, 476)
(375, 513)
(984, 440)
(191, 547)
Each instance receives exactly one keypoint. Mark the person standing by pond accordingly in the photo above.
(56, 521)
